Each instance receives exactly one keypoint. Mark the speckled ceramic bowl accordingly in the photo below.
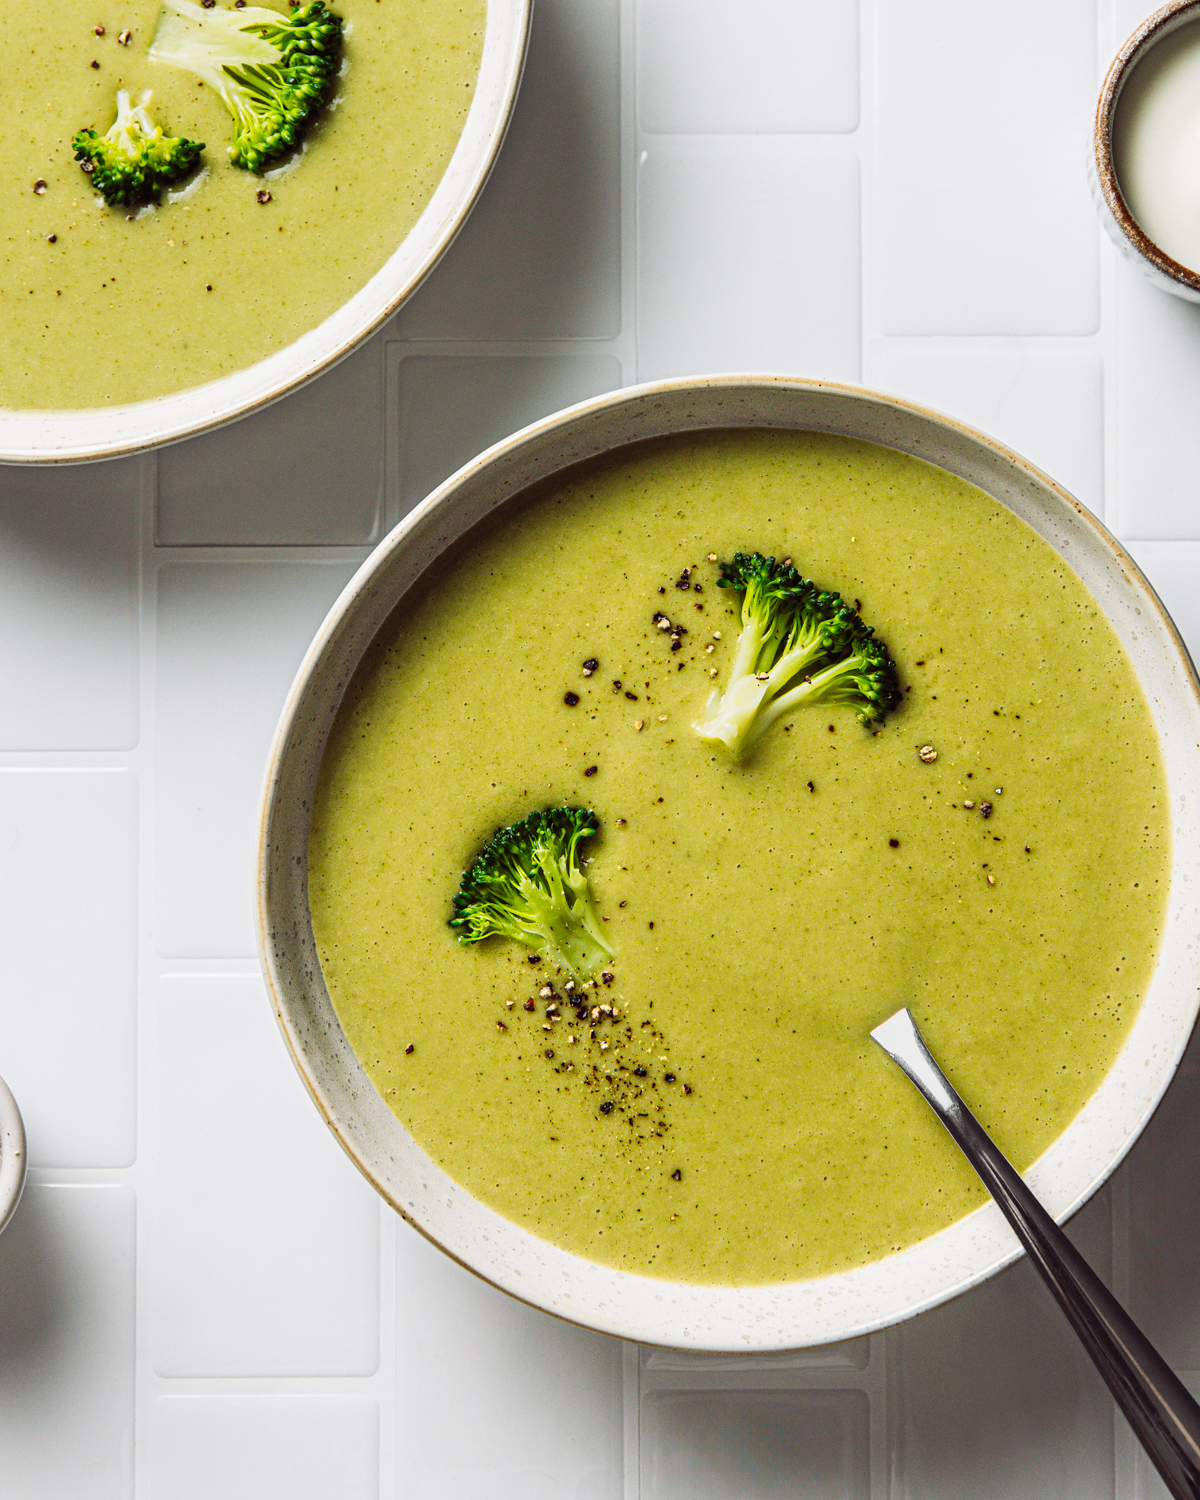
(637, 1307)
(66, 436)
(12, 1155)
(1123, 229)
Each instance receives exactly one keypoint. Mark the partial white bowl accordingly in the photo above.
(736, 1319)
(12, 1155)
(69, 436)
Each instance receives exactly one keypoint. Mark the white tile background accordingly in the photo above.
(199, 1296)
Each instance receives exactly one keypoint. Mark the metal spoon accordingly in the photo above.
(1156, 1405)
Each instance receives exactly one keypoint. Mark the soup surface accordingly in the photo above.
(766, 915)
(115, 309)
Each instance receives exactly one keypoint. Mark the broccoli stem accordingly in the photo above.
(527, 884)
(798, 644)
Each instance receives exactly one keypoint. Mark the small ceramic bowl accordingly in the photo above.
(12, 1155)
(682, 1315)
(1123, 229)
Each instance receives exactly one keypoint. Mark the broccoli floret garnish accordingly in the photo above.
(134, 159)
(799, 644)
(527, 885)
(272, 71)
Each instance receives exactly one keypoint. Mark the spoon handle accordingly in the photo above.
(1157, 1406)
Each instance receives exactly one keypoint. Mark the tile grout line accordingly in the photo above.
(146, 969)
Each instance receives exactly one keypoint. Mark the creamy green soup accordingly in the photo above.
(766, 915)
(96, 307)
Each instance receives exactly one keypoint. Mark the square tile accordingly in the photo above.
(231, 637)
(1158, 396)
(1049, 407)
(67, 1345)
(543, 1397)
(755, 1445)
(540, 256)
(995, 1384)
(453, 407)
(68, 928)
(707, 66)
(748, 258)
(265, 1448)
(307, 470)
(264, 1239)
(69, 607)
(984, 222)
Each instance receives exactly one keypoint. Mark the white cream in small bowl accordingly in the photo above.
(1146, 157)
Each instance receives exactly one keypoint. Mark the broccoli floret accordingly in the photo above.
(272, 71)
(134, 160)
(527, 885)
(799, 644)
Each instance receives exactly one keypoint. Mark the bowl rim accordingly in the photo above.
(38, 436)
(1153, 29)
(13, 1160)
(839, 1306)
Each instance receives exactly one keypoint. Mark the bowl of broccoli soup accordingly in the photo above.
(657, 756)
(206, 204)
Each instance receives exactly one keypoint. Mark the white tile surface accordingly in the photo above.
(69, 607)
(1158, 397)
(306, 470)
(1049, 407)
(536, 1408)
(264, 1238)
(707, 66)
(736, 241)
(452, 408)
(996, 1396)
(540, 256)
(748, 257)
(1129, 14)
(265, 1448)
(230, 639)
(67, 1345)
(68, 930)
(756, 1445)
(984, 223)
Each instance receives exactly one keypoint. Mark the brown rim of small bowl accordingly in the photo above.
(1151, 31)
